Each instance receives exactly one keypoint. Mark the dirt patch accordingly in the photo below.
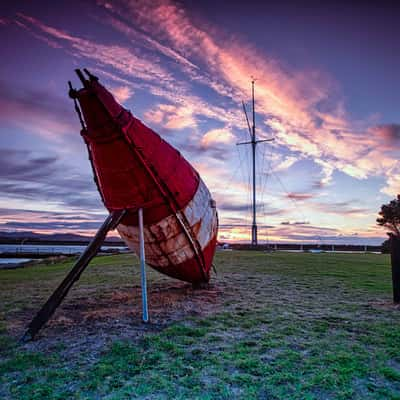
(385, 305)
(86, 324)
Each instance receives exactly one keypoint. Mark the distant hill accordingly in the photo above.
(33, 237)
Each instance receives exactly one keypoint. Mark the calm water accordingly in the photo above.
(13, 260)
(44, 249)
(37, 248)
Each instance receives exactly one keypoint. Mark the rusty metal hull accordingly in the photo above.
(166, 244)
(135, 168)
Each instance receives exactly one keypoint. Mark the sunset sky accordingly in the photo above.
(327, 88)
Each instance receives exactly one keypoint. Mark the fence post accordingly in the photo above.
(395, 261)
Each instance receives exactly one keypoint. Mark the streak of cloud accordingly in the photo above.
(304, 108)
(37, 111)
(299, 196)
(195, 76)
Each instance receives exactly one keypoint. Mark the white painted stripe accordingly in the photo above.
(165, 241)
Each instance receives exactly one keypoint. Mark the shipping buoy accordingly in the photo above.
(156, 200)
(135, 168)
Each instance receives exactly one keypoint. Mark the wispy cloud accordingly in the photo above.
(118, 57)
(390, 133)
(295, 223)
(143, 68)
(37, 111)
(344, 208)
(243, 207)
(304, 107)
(299, 196)
(217, 136)
(122, 93)
(45, 180)
(170, 55)
(172, 116)
(21, 220)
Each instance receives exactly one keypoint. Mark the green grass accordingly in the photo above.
(279, 326)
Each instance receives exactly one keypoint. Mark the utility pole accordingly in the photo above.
(253, 142)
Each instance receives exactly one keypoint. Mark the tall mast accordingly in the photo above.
(253, 145)
(253, 142)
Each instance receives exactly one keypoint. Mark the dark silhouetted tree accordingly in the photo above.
(390, 219)
(385, 247)
(390, 216)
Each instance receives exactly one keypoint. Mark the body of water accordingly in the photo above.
(44, 249)
(13, 260)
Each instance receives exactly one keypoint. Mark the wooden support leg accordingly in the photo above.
(57, 297)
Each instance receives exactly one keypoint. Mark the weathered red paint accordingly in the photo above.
(135, 168)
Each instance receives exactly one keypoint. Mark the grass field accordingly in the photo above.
(270, 326)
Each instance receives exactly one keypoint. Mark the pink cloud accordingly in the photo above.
(146, 72)
(284, 164)
(38, 36)
(36, 120)
(299, 196)
(294, 99)
(390, 133)
(122, 93)
(171, 116)
(118, 57)
(151, 43)
(303, 107)
(217, 136)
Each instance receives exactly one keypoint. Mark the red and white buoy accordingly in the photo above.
(135, 168)
(156, 199)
